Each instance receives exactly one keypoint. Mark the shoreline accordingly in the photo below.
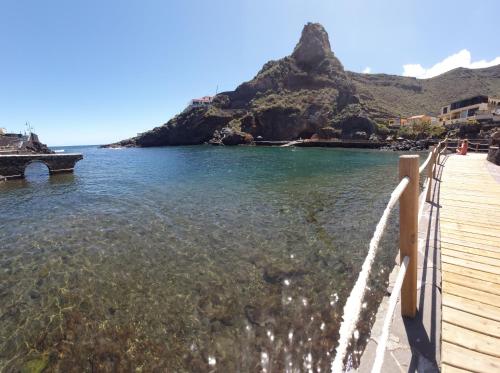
(364, 144)
(403, 145)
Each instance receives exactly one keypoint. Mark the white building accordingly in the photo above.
(203, 101)
(473, 108)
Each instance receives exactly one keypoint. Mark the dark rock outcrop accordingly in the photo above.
(495, 138)
(406, 145)
(327, 133)
(299, 95)
(494, 155)
(192, 127)
(290, 98)
(313, 47)
(494, 149)
(357, 127)
(38, 147)
(233, 137)
(230, 136)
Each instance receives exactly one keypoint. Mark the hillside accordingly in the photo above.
(308, 93)
(392, 95)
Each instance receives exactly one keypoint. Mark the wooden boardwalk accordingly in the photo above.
(469, 220)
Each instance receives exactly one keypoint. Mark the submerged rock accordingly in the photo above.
(37, 365)
(276, 273)
(262, 314)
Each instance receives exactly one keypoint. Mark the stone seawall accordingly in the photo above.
(12, 166)
(359, 144)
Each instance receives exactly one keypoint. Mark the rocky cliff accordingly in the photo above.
(309, 93)
(22, 144)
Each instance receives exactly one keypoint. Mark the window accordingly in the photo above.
(468, 102)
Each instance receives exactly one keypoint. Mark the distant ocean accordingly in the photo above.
(190, 258)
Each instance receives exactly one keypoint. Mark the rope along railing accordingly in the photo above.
(407, 193)
(382, 341)
(353, 304)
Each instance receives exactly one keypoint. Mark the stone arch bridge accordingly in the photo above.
(12, 166)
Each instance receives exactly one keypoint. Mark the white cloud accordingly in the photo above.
(460, 59)
(367, 70)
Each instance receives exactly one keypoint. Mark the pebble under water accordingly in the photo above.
(190, 259)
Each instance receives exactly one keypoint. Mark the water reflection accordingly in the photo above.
(62, 178)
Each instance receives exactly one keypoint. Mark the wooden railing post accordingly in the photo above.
(408, 232)
(431, 173)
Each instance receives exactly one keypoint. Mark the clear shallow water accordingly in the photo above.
(190, 258)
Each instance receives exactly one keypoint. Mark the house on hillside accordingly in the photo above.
(422, 118)
(415, 119)
(473, 108)
(203, 101)
(395, 123)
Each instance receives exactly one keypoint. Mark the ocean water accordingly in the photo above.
(229, 259)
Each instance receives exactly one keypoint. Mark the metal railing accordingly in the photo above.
(477, 145)
(407, 193)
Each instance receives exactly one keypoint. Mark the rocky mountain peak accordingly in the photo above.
(309, 94)
(313, 46)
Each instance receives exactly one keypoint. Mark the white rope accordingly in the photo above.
(423, 196)
(393, 300)
(384, 335)
(352, 307)
(424, 165)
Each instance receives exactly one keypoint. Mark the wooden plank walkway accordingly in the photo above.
(469, 220)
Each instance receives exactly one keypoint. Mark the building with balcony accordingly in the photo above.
(473, 108)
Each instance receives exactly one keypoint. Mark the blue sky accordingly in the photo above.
(97, 71)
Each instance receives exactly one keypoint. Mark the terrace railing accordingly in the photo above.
(474, 145)
(407, 193)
